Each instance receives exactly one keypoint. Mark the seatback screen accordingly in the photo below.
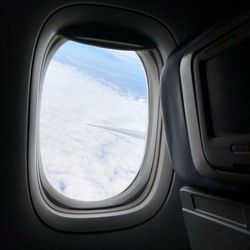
(227, 90)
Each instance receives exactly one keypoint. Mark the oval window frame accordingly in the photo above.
(71, 215)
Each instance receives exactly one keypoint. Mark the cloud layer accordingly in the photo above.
(85, 162)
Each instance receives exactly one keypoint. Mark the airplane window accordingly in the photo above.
(93, 121)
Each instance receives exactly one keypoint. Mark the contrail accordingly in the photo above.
(129, 132)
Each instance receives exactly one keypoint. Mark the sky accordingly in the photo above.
(93, 121)
(120, 69)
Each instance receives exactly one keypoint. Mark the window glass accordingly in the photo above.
(93, 121)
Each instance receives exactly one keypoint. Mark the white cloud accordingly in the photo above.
(81, 161)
